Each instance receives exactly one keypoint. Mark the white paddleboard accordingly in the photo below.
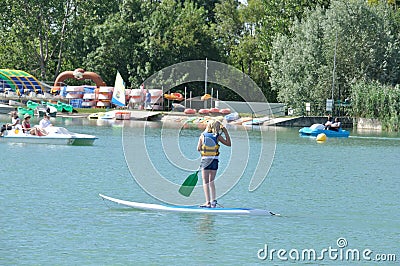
(188, 209)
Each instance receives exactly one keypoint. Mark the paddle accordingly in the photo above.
(189, 184)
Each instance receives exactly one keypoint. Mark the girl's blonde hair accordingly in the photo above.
(213, 126)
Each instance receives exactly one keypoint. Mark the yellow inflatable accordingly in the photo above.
(205, 97)
(176, 96)
(321, 137)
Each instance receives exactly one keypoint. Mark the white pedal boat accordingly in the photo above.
(55, 136)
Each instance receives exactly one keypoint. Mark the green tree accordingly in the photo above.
(370, 99)
(146, 36)
(228, 27)
(45, 37)
(207, 5)
(35, 33)
(299, 69)
(82, 29)
(245, 33)
(367, 43)
(118, 39)
(367, 47)
(173, 33)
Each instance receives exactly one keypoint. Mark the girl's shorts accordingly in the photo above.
(209, 164)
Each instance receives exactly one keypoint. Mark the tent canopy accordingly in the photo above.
(19, 81)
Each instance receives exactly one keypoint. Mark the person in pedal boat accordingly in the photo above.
(209, 148)
(335, 126)
(15, 120)
(328, 123)
(26, 125)
(40, 130)
(45, 122)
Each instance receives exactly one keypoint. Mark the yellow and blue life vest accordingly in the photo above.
(210, 145)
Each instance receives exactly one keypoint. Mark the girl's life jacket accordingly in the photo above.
(210, 145)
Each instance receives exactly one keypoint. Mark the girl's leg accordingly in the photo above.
(212, 174)
(206, 181)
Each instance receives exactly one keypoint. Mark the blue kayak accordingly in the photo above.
(316, 129)
(232, 117)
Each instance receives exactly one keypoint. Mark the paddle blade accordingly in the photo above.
(189, 184)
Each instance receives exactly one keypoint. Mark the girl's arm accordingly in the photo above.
(200, 143)
(227, 140)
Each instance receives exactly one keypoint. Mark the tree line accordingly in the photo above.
(349, 51)
(296, 51)
(140, 37)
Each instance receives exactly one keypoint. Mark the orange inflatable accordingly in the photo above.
(176, 96)
(79, 74)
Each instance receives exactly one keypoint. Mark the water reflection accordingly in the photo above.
(206, 224)
(203, 225)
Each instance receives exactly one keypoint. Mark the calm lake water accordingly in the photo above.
(333, 197)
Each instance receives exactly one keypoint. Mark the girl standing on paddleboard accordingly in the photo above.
(209, 148)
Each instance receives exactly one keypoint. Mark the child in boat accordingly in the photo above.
(26, 125)
(45, 122)
(209, 148)
(15, 120)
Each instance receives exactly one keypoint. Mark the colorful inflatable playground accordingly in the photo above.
(19, 82)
